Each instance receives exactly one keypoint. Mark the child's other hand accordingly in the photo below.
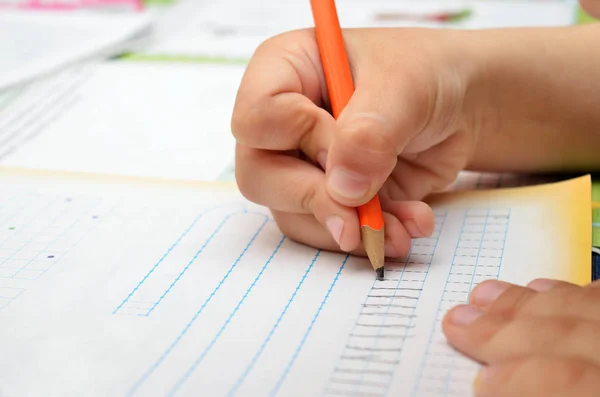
(539, 340)
(404, 134)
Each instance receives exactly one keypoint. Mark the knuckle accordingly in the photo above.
(514, 300)
(246, 123)
(243, 176)
(559, 330)
(280, 221)
(237, 123)
(569, 372)
(307, 198)
(542, 375)
(268, 44)
(574, 372)
(367, 133)
(286, 226)
(281, 40)
(245, 187)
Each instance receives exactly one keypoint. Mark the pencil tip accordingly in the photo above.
(374, 241)
(380, 273)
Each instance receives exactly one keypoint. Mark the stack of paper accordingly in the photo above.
(137, 119)
(35, 44)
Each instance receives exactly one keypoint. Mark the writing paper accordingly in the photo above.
(128, 287)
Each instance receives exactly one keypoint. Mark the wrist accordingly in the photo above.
(531, 101)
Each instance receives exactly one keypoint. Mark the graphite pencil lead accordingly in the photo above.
(380, 273)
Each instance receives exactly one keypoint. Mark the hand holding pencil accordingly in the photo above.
(341, 87)
(316, 164)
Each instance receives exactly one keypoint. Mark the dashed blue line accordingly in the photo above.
(185, 269)
(485, 222)
(159, 262)
(399, 354)
(197, 362)
(307, 333)
(254, 359)
(419, 376)
(196, 315)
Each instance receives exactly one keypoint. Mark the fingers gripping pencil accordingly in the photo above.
(341, 87)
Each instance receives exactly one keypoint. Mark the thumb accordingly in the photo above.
(371, 132)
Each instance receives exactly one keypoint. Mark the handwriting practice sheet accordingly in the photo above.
(130, 287)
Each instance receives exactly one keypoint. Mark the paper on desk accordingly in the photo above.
(233, 28)
(157, 120)
(123, 287)
(33, 44)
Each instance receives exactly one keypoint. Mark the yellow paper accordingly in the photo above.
(563, 225)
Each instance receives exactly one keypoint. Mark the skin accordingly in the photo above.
(538, 340)
(428, 104)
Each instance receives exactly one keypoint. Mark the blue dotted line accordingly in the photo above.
(419, 376)
(137, 287)
(185, 269)
(410, 323)
(242, 377)
(197, 362)
(475, 268)
(306, 334)
(451, 368)
(161, 260)
(485, 223)
(196, 315)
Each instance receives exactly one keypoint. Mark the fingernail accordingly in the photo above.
(487, 292)
(322, 159)
(335, 224)
(465, 314)
(542, 284)
(348, 184)
(411, 228)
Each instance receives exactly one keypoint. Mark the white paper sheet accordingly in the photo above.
(234, 28)
(33, 44)
(159, 120)
(128, 288)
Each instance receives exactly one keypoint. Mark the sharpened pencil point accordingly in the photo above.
(373, 241)
(380, 273)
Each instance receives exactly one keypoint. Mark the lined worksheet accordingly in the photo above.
(127, 287)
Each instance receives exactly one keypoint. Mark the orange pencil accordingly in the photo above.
(341, 87)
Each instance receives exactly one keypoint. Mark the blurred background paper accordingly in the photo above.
(34, 44)
(128, 118)
(233, 29)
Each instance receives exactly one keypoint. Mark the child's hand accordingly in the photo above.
(543, 340)
(404, 134)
